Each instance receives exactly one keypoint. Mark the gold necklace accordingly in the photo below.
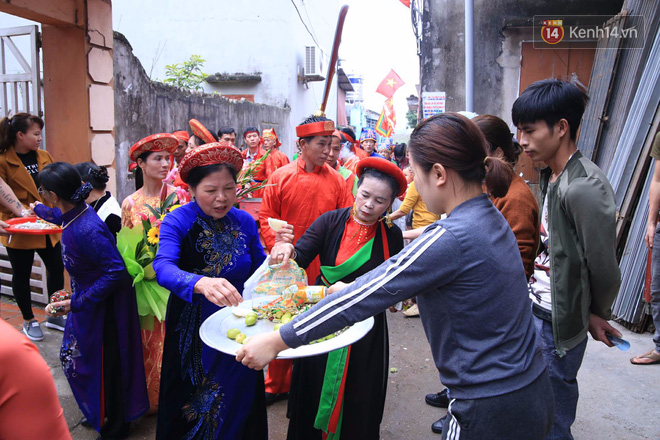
(363, 228)
(81, 213)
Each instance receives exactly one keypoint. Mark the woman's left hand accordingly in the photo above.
(259, 350)
(65, 308)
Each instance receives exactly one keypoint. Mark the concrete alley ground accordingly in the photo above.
(617, 399)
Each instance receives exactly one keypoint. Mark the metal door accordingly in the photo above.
(20, 73)
(20, 91)
(564, 63)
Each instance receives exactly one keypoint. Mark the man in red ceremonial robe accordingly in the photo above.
(254, 152)
(276, 159)
(350, 163)
(333, 161)
(301, 191)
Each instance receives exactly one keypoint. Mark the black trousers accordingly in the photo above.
(115, 426)
(524, 414)
(21, 265)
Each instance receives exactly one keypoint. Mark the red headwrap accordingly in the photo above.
(269, 133)
(385, 166)
(323, 128)
(210, 154)
(155, 142)
(200, 131)
(182, 135)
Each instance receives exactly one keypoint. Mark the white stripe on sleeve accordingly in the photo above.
(409, 257)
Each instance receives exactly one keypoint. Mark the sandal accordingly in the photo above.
(652, 355)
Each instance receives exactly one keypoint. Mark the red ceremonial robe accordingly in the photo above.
(260, 173)
(299, 197)
(276, 159)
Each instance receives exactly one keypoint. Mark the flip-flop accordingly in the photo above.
(655, 358)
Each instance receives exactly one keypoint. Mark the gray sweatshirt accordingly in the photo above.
(471, 289)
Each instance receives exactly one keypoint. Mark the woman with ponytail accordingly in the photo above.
(519, 206)
(21, 160)
(101, 352)
(470, 284)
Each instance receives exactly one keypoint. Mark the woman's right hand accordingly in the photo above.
(219, 291)
(650, 235)
(281, 252)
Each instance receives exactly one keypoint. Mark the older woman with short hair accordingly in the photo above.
(207, 250)
(349, 242)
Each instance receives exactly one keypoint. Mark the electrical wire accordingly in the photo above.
(309, 20)
(308, 31)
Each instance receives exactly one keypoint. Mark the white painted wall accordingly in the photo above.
(264, 36)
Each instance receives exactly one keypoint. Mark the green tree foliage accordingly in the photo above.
(186, 76)
(412, 118)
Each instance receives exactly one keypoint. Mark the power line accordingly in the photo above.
(311, 25)
(308, 31)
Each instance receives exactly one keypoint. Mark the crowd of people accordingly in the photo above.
(506, 310)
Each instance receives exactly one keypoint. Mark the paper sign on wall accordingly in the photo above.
(433, 103)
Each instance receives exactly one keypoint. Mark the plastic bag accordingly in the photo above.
(272, 280)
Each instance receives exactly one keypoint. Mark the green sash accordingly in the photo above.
(331, 274)
(332, 392)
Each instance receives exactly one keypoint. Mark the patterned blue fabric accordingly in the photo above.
(98, 275)
(218, 390)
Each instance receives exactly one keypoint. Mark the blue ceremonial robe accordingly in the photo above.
(98, 276)
(205, 394)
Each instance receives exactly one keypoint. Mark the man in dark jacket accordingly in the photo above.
(576, 276)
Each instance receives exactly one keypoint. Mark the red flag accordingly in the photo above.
(390, 84)
(389, 112)
(405, 2)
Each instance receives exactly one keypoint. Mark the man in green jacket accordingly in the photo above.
(576, 276)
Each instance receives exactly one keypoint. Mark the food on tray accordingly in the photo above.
(295, 299)
(330, 336)
(251, 319)
(38, 224)
(276, 224)
(241, 312)
(233, 332)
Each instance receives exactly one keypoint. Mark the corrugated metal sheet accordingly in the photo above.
(629, 303)
(602, 73)
(636, 127)
(629, 71)
(616, 132)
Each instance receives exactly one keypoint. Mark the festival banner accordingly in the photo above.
(383, 126)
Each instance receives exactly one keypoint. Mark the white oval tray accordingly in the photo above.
(213, 332)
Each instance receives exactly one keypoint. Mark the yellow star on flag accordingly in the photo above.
(391, 82)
